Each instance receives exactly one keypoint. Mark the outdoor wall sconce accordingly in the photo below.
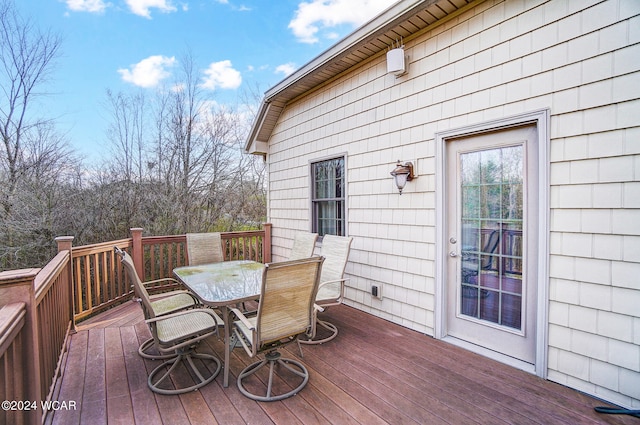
(402, 174)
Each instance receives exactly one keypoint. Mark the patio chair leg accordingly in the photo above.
(187, 358)
(149, 344)
(329, 326)
(272, 358)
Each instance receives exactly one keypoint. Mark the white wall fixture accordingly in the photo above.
(396, 60)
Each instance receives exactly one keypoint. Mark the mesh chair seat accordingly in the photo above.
(180, 333)
(185, 326)
(164, 304)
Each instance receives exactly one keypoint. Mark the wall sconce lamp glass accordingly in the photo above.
(402, 174)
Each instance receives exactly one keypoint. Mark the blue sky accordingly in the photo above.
(130, 45)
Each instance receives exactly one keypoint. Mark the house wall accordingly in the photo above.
(580, 59)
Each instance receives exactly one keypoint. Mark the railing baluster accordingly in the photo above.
(100, 282)
(87, 278)
(78, 286)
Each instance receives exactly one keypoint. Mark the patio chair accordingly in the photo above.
(204, 248)
(285, 312)
(162, 304)
(303, 245)
(176, 336)
(486, 259)
(335, 250)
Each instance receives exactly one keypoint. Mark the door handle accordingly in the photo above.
(452, 254)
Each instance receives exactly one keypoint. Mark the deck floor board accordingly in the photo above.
(374, 372)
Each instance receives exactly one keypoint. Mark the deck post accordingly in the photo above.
(136, 250)
(18, 286)
(266, 243)
(65, 243)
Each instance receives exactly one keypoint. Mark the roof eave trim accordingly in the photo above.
(254, 145)
(369, 29)
(365, 31)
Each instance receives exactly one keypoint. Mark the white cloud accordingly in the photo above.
(141, 7)
(316, 14)
(286, 68)
(221, 74)
(92, 6)
(148, 72)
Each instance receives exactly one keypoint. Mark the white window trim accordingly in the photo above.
(541, 119)
(344, 156)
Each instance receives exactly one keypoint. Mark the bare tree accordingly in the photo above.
(190, 149)
(31, 149)
(182, 162)
(40, 205)
(127, 165)
(252, 196)
(26, 60)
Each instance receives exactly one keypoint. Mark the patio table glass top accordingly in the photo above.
(223, 283)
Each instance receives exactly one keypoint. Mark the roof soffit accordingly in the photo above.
(405, 19)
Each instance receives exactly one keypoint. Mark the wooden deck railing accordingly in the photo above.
(12, 347)
(39, 307)
(36, 315)
(53, 295)
(101, 283)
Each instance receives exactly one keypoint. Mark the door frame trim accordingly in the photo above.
(540, 118)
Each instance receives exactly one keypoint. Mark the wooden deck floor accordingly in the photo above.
(374, 372)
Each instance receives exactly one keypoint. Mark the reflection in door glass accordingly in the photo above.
(492, 222)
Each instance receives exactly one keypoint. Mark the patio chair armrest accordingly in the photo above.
(209, 311)
(338, 298)
(327, 282)
(161, 295)
(242, 318)
(164, 279)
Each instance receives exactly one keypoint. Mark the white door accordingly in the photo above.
(491, 220)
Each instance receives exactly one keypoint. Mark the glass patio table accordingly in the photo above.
(223, 285)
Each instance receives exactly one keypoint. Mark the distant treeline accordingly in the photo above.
(176, 163)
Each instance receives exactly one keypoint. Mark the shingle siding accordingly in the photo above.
(579, 59)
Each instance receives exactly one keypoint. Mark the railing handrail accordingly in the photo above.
(46, 276)
(99, 247)
(146, 240)
(12, 319)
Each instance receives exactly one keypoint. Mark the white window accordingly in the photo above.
(328, 196)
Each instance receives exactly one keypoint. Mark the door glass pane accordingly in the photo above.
(491, 235)
(471, 200)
